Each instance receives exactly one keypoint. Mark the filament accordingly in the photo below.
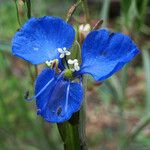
(40, 92)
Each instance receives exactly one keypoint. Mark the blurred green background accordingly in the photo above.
(118, 110)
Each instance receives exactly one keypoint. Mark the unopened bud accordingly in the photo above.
(83, 31)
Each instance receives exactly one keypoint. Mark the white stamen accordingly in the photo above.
(62, 55)
(77, 68)
(48, 63)
(68, 53)
(60, 50)
(63, 52)
(75, 61)
(70, 61)
(64, 49)
(75, 64)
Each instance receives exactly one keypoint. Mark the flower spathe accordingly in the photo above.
(48, 38)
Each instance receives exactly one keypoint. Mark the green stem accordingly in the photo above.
(73, 132)
(18, 18)
(69, 134)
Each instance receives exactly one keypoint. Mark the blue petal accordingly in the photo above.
(39, 39)
(60, 100)
(103, 53)
(47, 74)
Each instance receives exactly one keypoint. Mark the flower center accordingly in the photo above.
(68, 74)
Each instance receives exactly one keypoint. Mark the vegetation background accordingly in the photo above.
(118, 110)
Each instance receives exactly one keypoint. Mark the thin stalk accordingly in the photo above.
(86, 10)
(98, 24)
(71, 10)
(28, 3)
(17, 11)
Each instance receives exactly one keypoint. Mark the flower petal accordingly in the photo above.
(44, 77)
(60, 100)
(103, 53)
(39, 39)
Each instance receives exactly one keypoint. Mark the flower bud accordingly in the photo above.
(83, 31)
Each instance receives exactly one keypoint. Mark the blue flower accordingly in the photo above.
(42, 40)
